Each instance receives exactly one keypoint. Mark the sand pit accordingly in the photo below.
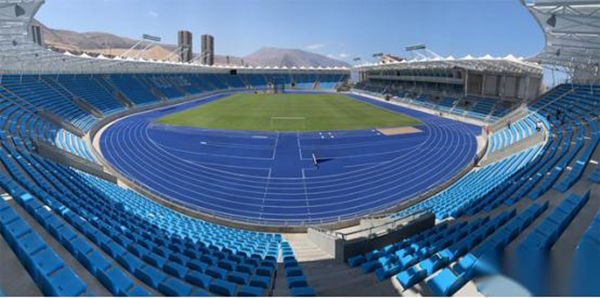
(398, 130)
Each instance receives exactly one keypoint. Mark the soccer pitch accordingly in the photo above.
(288, 112)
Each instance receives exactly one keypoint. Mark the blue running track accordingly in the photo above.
(269, 178)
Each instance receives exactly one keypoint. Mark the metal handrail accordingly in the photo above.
(394, 224)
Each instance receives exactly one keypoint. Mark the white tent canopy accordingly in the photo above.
(18, 53)
(486, 63)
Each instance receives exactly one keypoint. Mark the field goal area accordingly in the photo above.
(288, 123)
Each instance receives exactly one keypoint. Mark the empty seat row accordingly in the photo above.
(294, 276)
(47, 269)
(549, 230)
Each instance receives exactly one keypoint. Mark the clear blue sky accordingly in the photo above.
(339, 28)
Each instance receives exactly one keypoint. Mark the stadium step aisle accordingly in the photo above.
(329, 277)
(586, 261)
(74, 145)
(12, 266)
(93, 285)
(45, 264)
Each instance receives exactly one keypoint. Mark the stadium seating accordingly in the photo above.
(455, 200)
(38, 94)
(120, 237)
(89, 89)
(134, 90)
(209, 188)
(74, 145)
(293, 272)
(483, 109)
(411, 262)
(548, 231)
(253, 249)
(519, 130)
(586, 261)
(47, 269)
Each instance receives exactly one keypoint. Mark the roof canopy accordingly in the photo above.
(18, 53)
(572, 29)
(508, 64)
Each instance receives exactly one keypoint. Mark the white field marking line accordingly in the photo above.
(437, 181)
(222, 145)
(300, 148)
(175, 186)
(594, 162)
(398, 158)
(262, 206)
(198, 163)
(208, 164)
(375, 142)
(202, 153)
(181, 160)
(238, 216)
(364, 164)
(427, 124)
(275, 147)
(390, 152)
(366, 144)
(239, 145)
(306, 198)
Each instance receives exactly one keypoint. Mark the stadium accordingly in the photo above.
(432, 176)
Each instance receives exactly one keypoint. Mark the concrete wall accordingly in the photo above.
(361, 246)
(327, 242)
(60, 156)
(341, 249)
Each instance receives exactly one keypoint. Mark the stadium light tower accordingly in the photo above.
(377, 55)
(146, 37)
(422, 51)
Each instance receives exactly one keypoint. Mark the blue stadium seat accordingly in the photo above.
(247, 291)
(116, 282)
(44, 263)
(303, 292)
(139, 292)
(410, 277)
(174, 287)
(95, 262)
(150, 276)
(446, 283)
(198, 279)
(63, 283)
(223, 288)
(260, 281)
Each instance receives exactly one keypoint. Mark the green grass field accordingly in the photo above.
(288, 112)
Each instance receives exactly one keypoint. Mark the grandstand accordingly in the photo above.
(493, 188)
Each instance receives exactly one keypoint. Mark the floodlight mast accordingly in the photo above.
(422, 51)
(145, 37)
(152, 39)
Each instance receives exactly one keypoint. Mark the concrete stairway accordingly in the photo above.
(329, 277)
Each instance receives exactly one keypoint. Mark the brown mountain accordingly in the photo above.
(110, 44)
